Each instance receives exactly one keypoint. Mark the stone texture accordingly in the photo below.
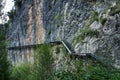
(95, 25)
(39, 21)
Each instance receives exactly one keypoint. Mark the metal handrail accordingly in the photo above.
(68, 48)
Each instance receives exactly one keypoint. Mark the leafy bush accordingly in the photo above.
(4, 64)
(87, 71)
(43, 66)
(42, 69)
(22, 72)
(4, 67)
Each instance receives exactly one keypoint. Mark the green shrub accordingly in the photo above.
(84, 70)
(94, 16)
(115, 9)
(88, 70)
(43, 66)
(4, 64)
(42, 69)
(22, 72)
(87, 31)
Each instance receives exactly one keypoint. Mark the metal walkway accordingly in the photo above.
(69, 48)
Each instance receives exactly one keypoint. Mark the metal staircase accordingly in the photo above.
(90, 55)
(70, 49)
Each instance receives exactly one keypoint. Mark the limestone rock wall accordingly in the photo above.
(91, 26)
(26, 29)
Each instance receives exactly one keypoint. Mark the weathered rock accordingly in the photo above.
(95, 25)
(39, 21)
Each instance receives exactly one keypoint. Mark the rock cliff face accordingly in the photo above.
(91, 26)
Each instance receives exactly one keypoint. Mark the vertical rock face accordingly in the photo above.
(38, 17)
(63, 19)
(92, 26)
(26, 30)
(30, 26)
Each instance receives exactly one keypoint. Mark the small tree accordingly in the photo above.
(43, 63)
(17, 3)
(4, 64)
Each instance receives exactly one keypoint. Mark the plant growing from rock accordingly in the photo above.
(102, 20)
(11, 15)
(94, 16)
(86, 31)
(115, 9)
(17, 3)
